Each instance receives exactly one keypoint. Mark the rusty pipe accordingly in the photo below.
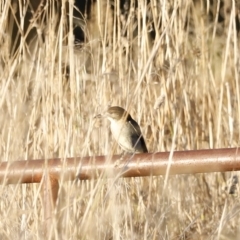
(182, 162)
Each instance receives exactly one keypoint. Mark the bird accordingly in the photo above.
(125, 130)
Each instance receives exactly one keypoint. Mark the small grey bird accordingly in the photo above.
(125, 130)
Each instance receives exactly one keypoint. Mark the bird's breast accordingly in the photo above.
(125, 135)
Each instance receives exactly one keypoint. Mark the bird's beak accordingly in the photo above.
(98, 116)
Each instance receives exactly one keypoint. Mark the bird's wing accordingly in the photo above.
(135, 127)
(139, 135)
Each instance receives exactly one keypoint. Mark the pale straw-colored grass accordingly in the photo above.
(183, 89)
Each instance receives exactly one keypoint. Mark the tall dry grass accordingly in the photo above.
(193, 64)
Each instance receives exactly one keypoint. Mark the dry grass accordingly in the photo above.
(193, 64)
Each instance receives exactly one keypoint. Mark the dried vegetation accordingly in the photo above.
(174, 64)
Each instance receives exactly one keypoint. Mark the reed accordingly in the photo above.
(182, 87)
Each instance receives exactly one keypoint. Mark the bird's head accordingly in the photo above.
(116, 113)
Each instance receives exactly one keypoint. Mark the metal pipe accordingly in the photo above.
(182, 162)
